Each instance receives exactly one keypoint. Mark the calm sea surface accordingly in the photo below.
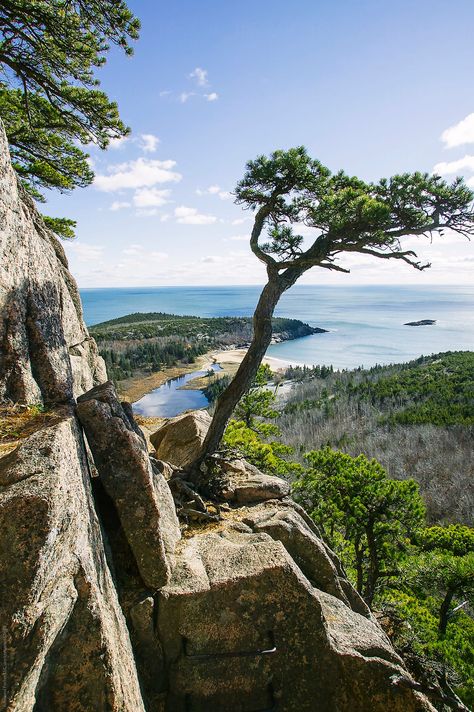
(365, 323)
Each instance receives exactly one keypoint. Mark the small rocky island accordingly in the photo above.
(422, 322)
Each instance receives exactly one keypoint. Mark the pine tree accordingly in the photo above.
(348, 216)
(50, 102)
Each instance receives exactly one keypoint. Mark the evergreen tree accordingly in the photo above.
(361, 513)
(347, 216)
(446, 569)
(50, 102)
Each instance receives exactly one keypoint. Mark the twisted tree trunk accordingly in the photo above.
(243, 379)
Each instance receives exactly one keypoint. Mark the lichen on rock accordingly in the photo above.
(66, 644)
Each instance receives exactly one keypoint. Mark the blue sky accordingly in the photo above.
(368, 86)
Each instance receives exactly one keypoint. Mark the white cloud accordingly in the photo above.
(459, 166)
(118, 142)
(239, 238)
(185, 95)
(149, 143)
(459, 134)
(150, 197)
(132, 250)
(165, 92)
(215, 190)
(200, 76)
(135, 174)
(213, 96)
(190, 216)
(211, 259)
(470, 182)
(146, 212)
(119, 205)
(240, 221)
(302, 229)
(85, 252)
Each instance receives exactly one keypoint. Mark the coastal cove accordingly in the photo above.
(366, 324)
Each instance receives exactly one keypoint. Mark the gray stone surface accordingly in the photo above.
(243, 629)
(179, 440)
(67, 644)
(283, 522)
(246, 484)
(46, 353)
(139, 491)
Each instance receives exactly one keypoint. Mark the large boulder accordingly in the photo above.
(286, 522)
(66, 644)
(243, 629)
(180, 439)
(138, 490)
(46, 353)
(246, 484)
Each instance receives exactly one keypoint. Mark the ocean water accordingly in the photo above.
(365, 323)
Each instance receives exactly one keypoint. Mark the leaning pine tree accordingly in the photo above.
(348, 215)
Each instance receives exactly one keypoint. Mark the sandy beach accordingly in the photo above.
(229, 361)
(235, 356)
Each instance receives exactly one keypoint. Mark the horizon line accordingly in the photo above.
(262, 284)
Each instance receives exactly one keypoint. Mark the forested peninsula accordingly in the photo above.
(138, 345)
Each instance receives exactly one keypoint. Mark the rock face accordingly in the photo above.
(251, 612)
(67, 646)
(259, 615)
(46, 353)
(287, 523)
(243, 629)
(179, 439)
(140, 493)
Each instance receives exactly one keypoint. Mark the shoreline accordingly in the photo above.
(236, 355)
(229, 360)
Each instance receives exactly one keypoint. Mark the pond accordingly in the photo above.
(168, 400)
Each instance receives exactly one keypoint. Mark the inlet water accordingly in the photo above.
(169, 400)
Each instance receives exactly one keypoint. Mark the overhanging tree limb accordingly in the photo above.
(50, 103)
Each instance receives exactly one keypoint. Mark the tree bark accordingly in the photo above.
(373, 568)
(359, 570)
(444, 613)
(243, 379)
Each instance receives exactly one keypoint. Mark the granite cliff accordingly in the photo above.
(108, 601)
